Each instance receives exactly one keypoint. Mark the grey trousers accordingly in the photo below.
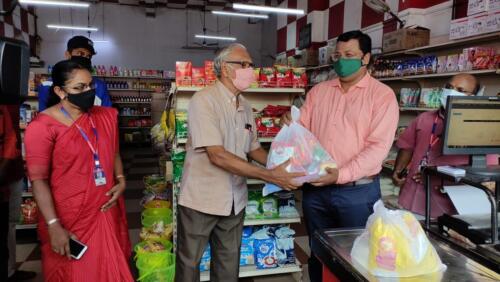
(194, 231)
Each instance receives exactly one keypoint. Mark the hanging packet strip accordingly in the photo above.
(302, 148)
(99, 177)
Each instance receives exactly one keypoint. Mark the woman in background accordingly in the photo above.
(75, 167)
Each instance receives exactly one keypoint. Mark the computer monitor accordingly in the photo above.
(14, 70)
(473, 128)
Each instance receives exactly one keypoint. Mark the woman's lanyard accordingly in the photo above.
(99, 176)
(432, 141)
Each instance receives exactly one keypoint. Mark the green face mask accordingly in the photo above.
(346, 67)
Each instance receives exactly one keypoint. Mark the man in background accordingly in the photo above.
(79, 49)
(421, 144)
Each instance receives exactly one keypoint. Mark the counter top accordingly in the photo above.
(333, 247)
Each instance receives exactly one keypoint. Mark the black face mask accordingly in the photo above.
(84, 100)
(83, 61)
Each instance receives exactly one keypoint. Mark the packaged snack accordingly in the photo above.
(158, 231)
(286, 205)
(430, 98)
(395, 245)
(29, 211)
(264, 249)
(181, 126)
(247, 251)
(441, 64)
(178, 158)
(302, 149)
(408, 97)
(183, 73)
(283, 76)
(155, 183)
(284, 245)
(198, 77)
(431, 64)
(269, 207)
(253, 209)
(452, 63)
(210, 77)
(481, 57)
(299, 77)
(205, 259)
(267, 77)
(255, 84)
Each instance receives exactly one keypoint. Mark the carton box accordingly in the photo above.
(477, 24)
(210, 76)
(493, 21)
(459, 28)
(480, 6)
(183, 73)
(406, 38)
(325, 54)
(198, 77)
(308, 57)
(494, 5)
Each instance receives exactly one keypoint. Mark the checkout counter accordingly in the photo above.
(477, 258)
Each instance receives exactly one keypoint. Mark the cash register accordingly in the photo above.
(473, 128)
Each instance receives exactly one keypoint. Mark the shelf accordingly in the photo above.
(181, 141)
(266, 139)
(251, 271)
(319, 67)
(135, 116)
(408, 109)
(27, 194)
(438, 75)
(255, 182)
(135, 127)
(131, 103)
(26, 226)
(445, 45)
(32, 98)
(135, 90)
(255, 222)
(134, 77)
(250, 90)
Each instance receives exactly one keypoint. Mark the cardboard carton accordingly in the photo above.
(459, 28)
(406, 38)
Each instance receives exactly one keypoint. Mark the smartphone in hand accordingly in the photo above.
(76, 248)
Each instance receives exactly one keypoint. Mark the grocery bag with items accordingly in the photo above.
(297, 144)
(395, 245)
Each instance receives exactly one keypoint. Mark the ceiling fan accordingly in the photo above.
(381, 7)
(204, 44)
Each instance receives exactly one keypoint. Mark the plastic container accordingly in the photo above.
(150, 216)
(157, 266)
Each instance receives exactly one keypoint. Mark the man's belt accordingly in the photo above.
(362, 181)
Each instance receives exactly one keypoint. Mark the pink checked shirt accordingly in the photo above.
(357, 128)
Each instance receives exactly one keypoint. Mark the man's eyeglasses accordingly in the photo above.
(243, 64)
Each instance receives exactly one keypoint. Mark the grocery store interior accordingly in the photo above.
(152, 56)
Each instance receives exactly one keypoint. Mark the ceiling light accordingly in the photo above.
(267, 9)
(215, 37)
(55, 3)
(55, 26)
(224, 13)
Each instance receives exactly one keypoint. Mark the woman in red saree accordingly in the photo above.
(62, 146)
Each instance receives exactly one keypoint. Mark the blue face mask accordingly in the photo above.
(449, 92)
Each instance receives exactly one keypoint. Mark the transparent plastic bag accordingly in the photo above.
(300, 146)
(395, 245)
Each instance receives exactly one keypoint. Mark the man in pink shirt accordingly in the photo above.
(354, 118)
(419, 144)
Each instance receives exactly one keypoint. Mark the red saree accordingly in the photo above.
(59, 154)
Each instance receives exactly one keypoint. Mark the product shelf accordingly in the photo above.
(438, 75)
(27, 194)
(251, 271)
(134, 90)
(272, 221)
(134, 77)
(26, 226)
(131, 103)
(135, 127)
(255, 182)
(250, 90)
(318, 67)
(182, 141)
(135, 115)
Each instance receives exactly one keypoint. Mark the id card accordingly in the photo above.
(99, 177)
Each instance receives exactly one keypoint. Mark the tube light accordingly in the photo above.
(267, 9)
(55, 3)
(55, 26)
(224, 13)
(215, 37)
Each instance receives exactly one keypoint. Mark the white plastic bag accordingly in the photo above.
(300, 146)
(395, 245)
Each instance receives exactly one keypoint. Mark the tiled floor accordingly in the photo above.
(137, 163)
